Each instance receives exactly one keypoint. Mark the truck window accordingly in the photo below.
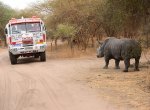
(43, 27)
(9, 30)
(33, 27)
(25, 28)
(18, 28)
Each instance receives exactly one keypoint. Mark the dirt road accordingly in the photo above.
(51, 85)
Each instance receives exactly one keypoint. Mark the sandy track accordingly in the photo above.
(51, 85)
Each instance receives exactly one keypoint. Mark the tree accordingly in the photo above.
(96, 18)
(6, 13)
(66, 32)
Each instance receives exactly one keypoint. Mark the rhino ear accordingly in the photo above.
(100, 42)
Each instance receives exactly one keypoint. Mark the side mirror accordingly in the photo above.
(6, 32)
(44, 28)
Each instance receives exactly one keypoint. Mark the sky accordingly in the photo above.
(19, 4)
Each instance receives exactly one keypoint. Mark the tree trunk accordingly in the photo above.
(56, 43)
(147, 40)
(92, 40)
(51, 45)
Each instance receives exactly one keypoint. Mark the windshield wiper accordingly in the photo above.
(14, 32)
(32, 31)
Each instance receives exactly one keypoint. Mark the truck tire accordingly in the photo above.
(36, 55)
(43, 56)
(13, 58)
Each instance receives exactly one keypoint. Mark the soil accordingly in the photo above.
(50, 85)
(130, 89)
(77, 83)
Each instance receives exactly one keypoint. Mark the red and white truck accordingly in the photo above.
(26, 37)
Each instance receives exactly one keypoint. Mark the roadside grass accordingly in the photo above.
(122, 89)
(64, 51)
(130, 89)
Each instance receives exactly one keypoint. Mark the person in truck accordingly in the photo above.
(14, 29)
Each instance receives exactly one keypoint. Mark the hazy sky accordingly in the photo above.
(19, 4)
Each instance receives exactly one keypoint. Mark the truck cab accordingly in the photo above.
(26, 37)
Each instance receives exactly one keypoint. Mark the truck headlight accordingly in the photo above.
(42, 47)
(14, 49)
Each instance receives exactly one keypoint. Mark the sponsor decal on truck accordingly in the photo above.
(26, 37)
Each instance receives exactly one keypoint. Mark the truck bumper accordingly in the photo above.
(28, 49)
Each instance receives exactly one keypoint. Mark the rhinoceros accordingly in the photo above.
(120, 49)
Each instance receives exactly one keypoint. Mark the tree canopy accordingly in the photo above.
(90, 19)
(6, 13)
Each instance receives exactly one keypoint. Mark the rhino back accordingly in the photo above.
(122, 48)
(131, 48)
(113, 48)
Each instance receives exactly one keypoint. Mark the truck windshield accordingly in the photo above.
(25, 28)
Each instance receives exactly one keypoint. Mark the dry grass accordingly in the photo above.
(130, 89)
(63, 51)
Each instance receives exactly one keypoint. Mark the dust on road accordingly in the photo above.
(51, 85)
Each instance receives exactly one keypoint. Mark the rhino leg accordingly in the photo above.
(117, 64)
(106, 63)
(136, 64)
(127, 64)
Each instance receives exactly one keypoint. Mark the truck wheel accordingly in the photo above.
(13, 58)
(36, 55)
(43, 56)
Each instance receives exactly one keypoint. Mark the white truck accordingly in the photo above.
(26, 37)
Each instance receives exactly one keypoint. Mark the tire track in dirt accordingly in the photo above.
(28, 89)
(48, 90)
(43, 86)
(5, 87)
(6, 96)
(55, 88)
(52, 94)
(28, 92)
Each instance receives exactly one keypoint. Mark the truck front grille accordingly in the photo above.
(28, 42)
